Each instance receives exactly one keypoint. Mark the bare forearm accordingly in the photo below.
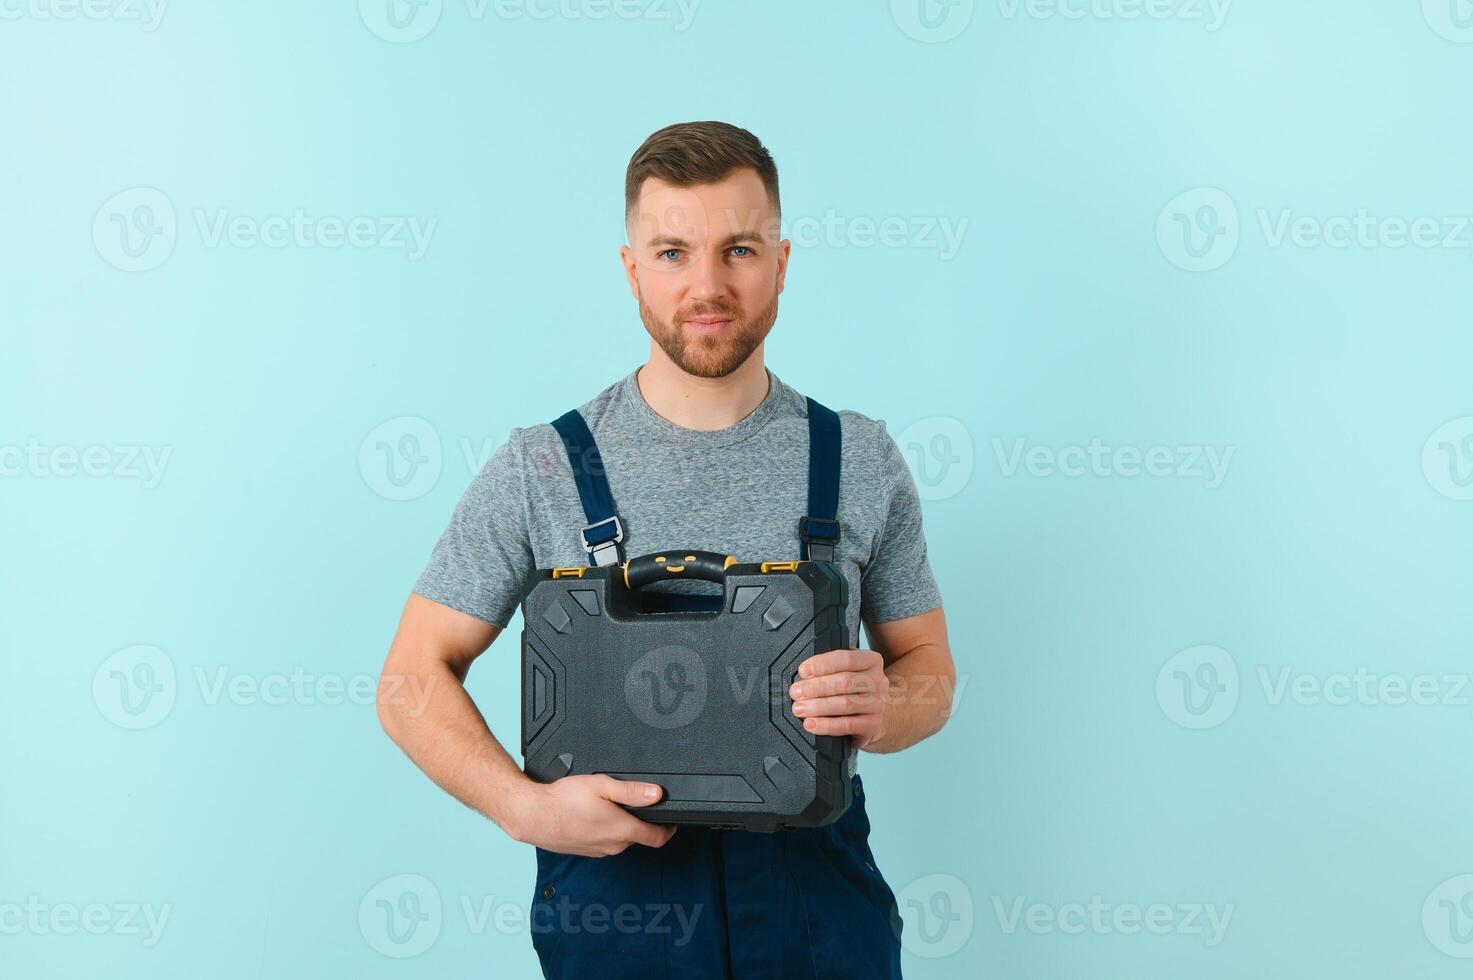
(445, 735)
(918, 702)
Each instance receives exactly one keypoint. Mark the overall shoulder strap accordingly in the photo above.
(818, 530)
(604, 532)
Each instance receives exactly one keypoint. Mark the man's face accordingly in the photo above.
(706, 265)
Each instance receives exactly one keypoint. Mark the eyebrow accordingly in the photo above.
(734, 239)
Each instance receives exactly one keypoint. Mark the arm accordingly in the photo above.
(899, 693)
(886, 699)
(443, 732)
(921, 678)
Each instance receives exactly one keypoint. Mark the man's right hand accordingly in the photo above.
(425, 709)
(581, 815)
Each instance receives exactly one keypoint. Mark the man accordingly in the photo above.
(703, 448)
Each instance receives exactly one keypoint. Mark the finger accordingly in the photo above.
(828, 685)
(648, 834)
(839, 704)
(835, 661)
(630, 792)
(841, 725)
(825, 663)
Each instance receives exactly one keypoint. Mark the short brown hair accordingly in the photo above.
(691, 153)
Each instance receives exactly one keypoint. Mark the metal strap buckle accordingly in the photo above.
(820, 537)
(601, 540)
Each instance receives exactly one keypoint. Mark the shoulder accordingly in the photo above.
(866, 440)
(858, 429)
(868, 448)
(538, 449)
(869, 442)
(861, 430)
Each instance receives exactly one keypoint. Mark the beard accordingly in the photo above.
(710, 355)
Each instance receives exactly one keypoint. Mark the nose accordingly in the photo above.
(708, 277)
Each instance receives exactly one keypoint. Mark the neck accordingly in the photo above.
(697, 403)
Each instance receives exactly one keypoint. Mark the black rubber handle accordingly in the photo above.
(707, 566)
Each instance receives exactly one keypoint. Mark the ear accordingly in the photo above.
(631, 272)
(784, 249)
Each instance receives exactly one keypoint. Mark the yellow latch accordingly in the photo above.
(575, 571)
(779, 566)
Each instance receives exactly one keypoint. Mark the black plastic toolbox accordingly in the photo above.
(616, 679)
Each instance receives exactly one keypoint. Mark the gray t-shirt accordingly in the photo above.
(738, 491)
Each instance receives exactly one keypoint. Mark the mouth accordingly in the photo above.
(708, 324)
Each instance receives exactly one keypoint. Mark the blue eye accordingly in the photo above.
(743, 248)
(667, 252)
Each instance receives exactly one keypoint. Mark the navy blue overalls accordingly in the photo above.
(804, 904)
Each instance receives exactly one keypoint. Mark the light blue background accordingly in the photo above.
(1334, 543)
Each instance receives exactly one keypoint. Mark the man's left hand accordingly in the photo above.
(842, 692)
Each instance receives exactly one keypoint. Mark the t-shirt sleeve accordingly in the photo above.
(482, 561)
(897, 582)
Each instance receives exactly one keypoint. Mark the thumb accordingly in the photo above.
(630, 792)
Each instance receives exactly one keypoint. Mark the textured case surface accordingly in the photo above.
(695, 701)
